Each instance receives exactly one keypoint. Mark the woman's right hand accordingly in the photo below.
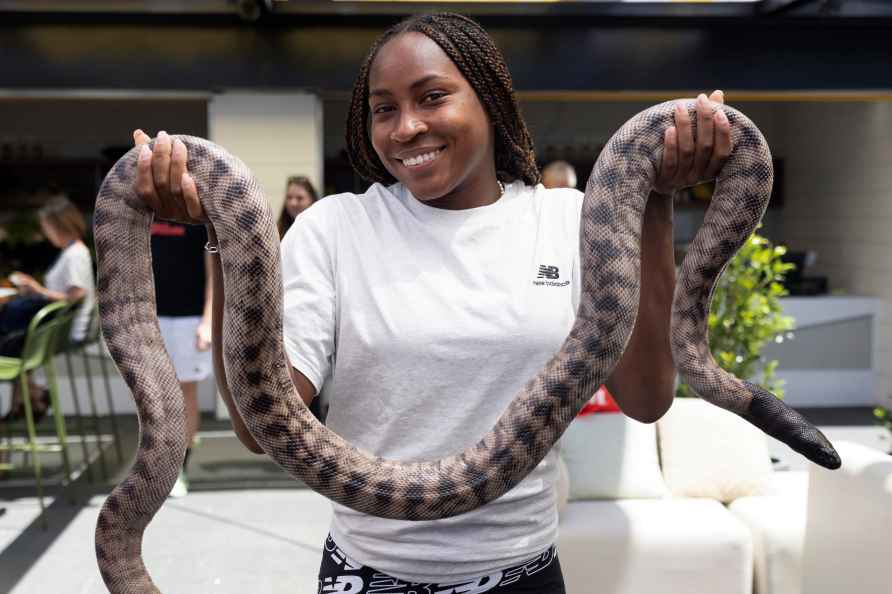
(163, 182)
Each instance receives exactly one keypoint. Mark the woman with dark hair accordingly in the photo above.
(70, 278)
(300, 194)
(415, 306)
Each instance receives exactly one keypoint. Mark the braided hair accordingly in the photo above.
(482, 64)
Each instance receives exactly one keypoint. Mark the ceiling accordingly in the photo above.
(285, 10)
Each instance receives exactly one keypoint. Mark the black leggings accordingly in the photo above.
(339, 573)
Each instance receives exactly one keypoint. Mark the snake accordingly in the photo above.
(257, 373)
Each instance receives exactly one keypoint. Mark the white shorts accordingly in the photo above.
(179, 336)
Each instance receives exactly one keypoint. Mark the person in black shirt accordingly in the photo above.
(183, 298)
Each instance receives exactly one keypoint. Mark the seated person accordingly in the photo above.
(70, 278)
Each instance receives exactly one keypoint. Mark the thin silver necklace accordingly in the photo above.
(501, 187)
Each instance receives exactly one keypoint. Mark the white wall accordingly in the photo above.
(839, 188)
(275, 134)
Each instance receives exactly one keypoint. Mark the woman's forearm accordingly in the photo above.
(217, 302)
(644, 379)
(52, 295)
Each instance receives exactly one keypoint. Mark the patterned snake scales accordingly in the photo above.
(258, 377)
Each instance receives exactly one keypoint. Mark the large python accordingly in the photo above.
(610, 237)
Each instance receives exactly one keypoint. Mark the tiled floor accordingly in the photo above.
(244, 527)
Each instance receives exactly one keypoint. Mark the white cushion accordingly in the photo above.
(659, 546)
(610, 456)
(710, 452)
(849, 524)
(777, 525)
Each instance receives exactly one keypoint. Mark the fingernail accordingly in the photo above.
(720, 92)
(145, 152)
(162, 135)
(701, 99)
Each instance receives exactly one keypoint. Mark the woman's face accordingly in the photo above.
(297, 199)
(428, 126)
(53, 235)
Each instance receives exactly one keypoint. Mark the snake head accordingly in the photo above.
(771, 415)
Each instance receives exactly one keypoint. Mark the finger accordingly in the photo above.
(717, 96)
(669, 160)
(685, 144)
(140, 137)
(161, 164)
(145, 185)
(178, 159)
(190, 197)
(705, 139)
(722, 149)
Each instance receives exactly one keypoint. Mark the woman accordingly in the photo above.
(70, 278)
(433, 298)
(299, 196)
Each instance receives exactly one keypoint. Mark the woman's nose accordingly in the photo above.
(408, 127)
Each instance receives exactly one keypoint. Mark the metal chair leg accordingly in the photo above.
(32, 449)
(111, 407)
(7, 427)
(89, 375)
(79, 416)
(59, 419)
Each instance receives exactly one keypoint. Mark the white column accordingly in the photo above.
(277, 135)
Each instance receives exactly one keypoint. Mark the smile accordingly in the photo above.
(422, 160)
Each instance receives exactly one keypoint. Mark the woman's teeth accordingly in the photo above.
(422, 159)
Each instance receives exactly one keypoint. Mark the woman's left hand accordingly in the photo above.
(27, 284)
(686, 162)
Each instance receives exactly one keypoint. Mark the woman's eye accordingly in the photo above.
(381, 109)
(434, 96)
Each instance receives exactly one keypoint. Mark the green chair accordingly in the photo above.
(71, 348)
(67, 346)
(43, 337)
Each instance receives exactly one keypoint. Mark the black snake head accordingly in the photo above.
(771, 415)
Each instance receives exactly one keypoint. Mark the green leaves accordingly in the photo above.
(745, 313)
(883, 416)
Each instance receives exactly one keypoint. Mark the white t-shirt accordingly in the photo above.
(74, 268)
(421, 325)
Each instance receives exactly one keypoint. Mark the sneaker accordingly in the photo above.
(181, 487)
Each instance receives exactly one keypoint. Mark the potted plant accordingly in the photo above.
(883, 416)
(745, 313)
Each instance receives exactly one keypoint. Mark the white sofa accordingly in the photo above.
(848, 532)
(724, 522)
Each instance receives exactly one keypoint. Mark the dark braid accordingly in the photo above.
(482, 64)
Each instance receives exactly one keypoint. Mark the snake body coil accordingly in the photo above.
(610, 235)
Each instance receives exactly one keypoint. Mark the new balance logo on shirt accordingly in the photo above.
(548, 272)
(552, 273)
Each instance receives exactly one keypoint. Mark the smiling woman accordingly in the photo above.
(419, 308)
(428, 127)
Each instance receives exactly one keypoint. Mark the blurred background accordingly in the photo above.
(271, 79)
